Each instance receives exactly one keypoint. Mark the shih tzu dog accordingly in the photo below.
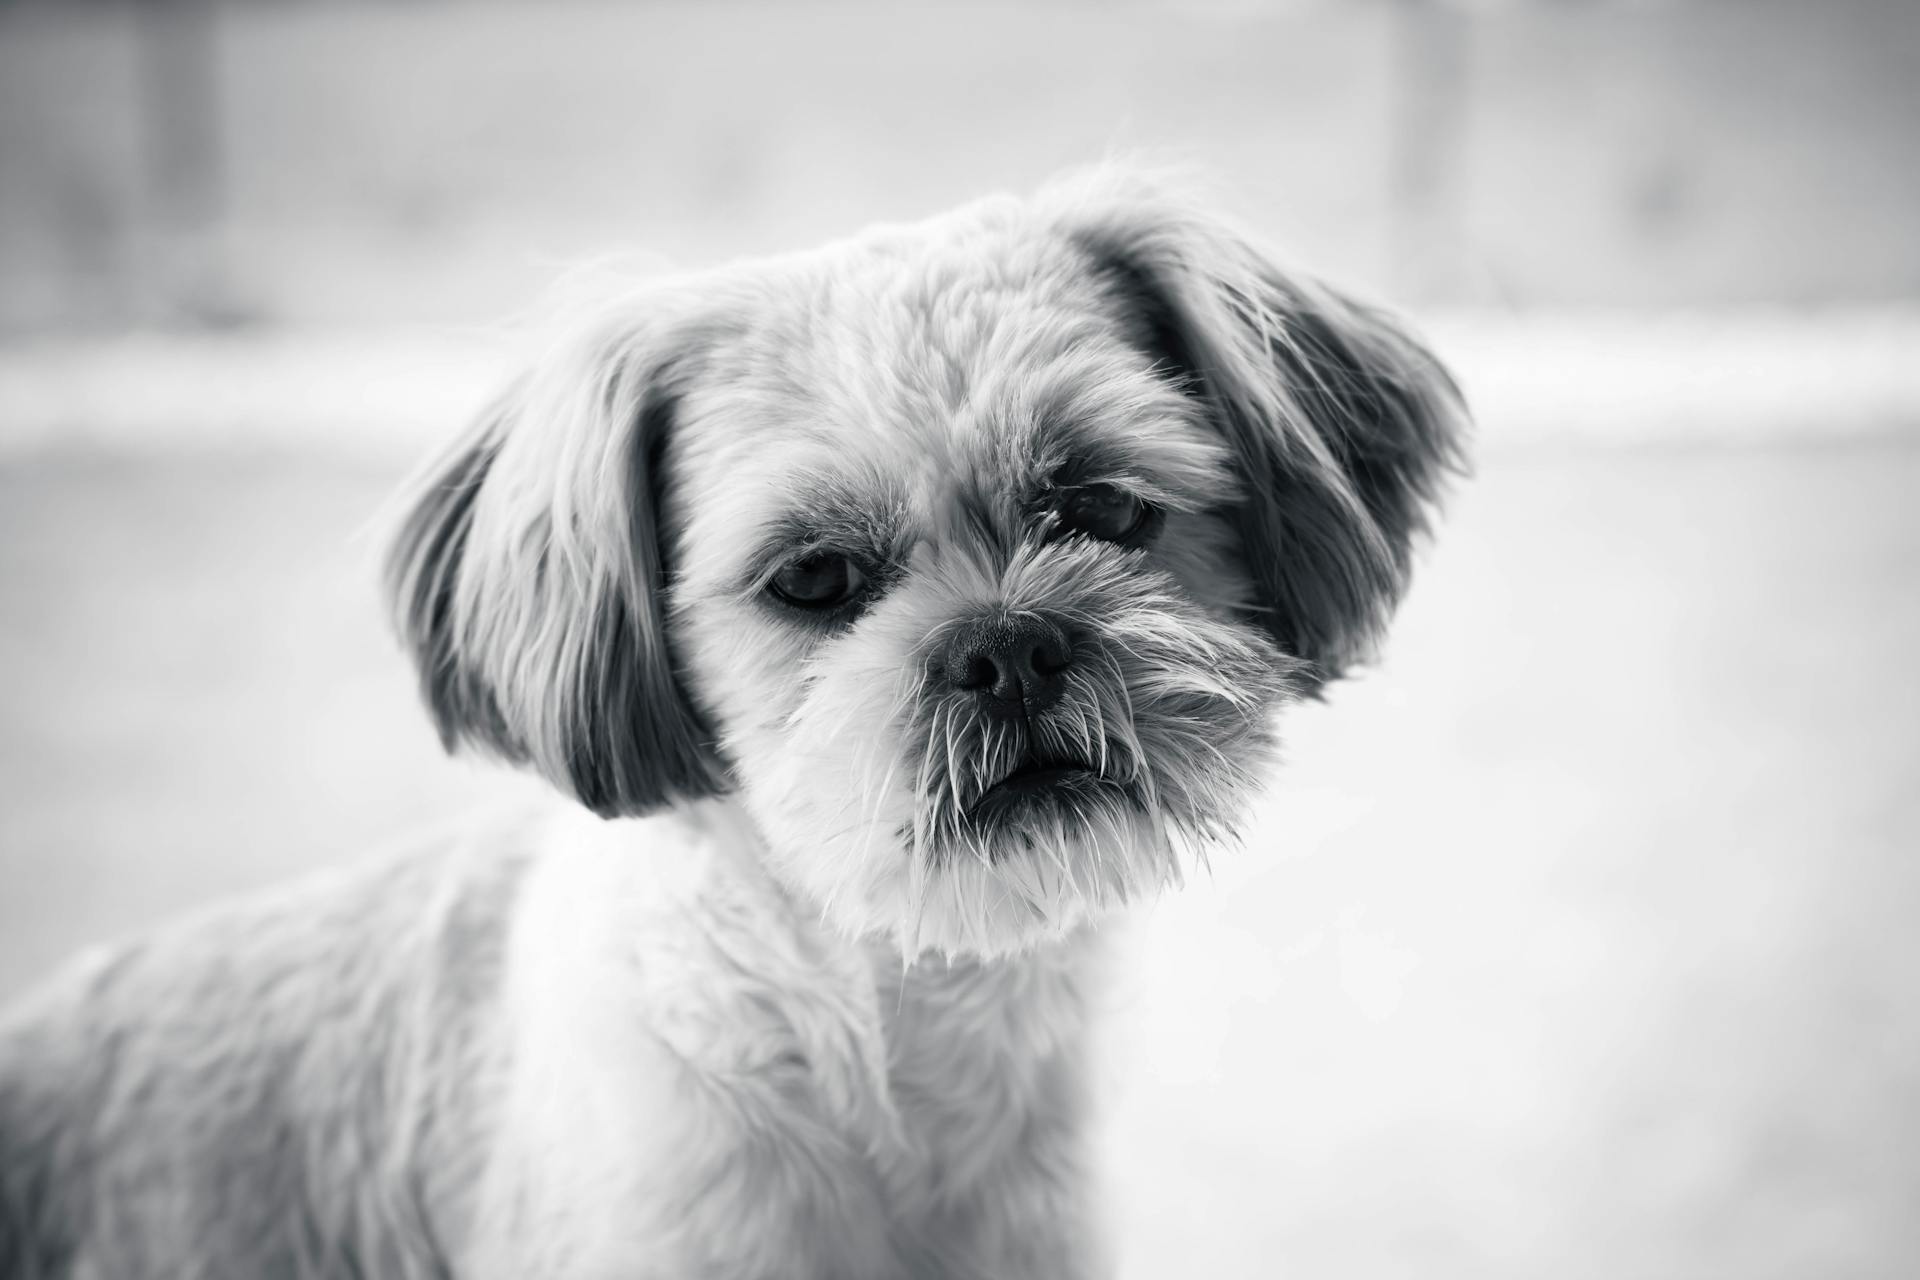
(904, 609)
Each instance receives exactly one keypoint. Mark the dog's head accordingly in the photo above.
(974, 557)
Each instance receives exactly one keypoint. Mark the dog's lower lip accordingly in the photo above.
(1031, 781)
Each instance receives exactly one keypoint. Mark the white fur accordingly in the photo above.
(705, 1081)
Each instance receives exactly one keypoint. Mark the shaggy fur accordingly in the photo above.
(815, 1000)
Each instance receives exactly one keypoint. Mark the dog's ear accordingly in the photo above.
(1341, 424)
(529, 577)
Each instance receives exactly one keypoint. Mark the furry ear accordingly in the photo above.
(1342, 425)
(529, 578)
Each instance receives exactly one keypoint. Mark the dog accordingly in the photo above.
(893, 615)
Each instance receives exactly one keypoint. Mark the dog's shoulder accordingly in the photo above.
(41, 1151)
(238, 1079)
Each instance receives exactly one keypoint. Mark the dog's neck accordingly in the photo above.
(695, 877)
(944, 1073)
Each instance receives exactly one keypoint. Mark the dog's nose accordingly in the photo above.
(1014, 664)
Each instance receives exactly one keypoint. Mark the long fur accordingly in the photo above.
(814, 1001)
(528, 576)
(1344, 424)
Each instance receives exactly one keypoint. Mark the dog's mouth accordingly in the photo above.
(1037, 782)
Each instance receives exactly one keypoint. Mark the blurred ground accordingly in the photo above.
(1576, 943)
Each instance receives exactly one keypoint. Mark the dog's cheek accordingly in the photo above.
(740, 669)
(1201, 552)
(810, 725)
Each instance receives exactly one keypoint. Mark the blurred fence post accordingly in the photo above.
(182, 161)
(1427, 139)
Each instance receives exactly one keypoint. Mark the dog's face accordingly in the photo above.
(974, 557)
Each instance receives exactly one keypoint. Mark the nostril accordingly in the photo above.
(977, 671)
(1049, 657)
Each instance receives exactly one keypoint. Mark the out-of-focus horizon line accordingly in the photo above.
(1543, 379)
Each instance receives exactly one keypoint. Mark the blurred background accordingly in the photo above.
(1577, 940)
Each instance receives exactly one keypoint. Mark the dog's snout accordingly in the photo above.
(1013, 664)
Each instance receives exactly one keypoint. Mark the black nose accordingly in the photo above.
(1014, 664)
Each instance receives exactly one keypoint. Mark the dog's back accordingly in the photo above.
(257, 1092)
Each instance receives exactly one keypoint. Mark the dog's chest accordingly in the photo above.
(703, 1082)
(987, 1076)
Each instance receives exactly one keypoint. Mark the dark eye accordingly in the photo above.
(1102, 511)
(820, 581)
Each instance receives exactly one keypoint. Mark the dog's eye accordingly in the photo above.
(1102, 511)
(819, 581)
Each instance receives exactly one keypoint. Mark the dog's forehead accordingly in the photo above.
(923, 373)
(930, 344)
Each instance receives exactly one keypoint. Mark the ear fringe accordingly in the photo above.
(529, 578)
(422, 570)
(1344, 426)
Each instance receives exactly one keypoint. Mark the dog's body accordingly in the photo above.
(566, 1048)
(912, 605)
